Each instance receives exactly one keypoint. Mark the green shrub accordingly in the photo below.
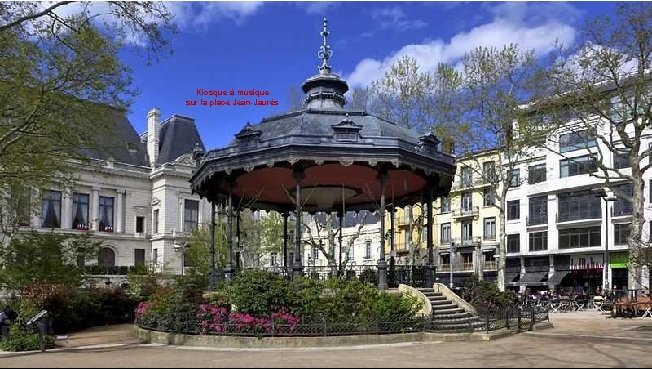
(260, 293)
(72, 310)
(20, 340)
(485, 296)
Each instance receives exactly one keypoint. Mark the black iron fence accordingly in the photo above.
(512, 319)
(262, 327)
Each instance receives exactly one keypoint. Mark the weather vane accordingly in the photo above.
(325, 51)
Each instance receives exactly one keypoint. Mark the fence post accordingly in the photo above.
(518, 320)
(4, 332)
(533, 318)
(41, 334)
(507, 318)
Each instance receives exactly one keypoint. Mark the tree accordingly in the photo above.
(46, 258)
(473, 110)
(62, 84)
(400, 94)
(601, 90)
(198, 249)
(327, 228)
(360, 99)
(295, 98)
(496, 83)
(262, 235)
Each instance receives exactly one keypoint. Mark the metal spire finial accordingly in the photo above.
(325, 51)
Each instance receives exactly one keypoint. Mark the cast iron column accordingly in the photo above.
(297, 267)
(607, 281)
(429, 238)
(392, 249)
(382, 265)
(339, 254)
(285, 241)
(229, 240)
(238, 245)
(212, 282)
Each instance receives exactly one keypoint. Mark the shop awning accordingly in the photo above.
(557, 276)
(509, 277)
(533, 277)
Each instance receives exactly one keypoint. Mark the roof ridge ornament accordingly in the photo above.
(325, 51)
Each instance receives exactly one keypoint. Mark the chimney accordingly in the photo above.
(153, 134)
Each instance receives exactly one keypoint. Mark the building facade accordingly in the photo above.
(134, 196)
(364, 253)
(559, 231)
(466, 222)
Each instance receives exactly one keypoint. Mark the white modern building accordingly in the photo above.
(556, 225)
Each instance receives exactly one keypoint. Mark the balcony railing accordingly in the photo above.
(401, 246)
(466, 183)
(537, 220)
(465, 267)
(466, 242)
(490, 265)
(560, 218)
(468, 212)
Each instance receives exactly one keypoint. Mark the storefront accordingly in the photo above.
(577, 274)
(618, 262)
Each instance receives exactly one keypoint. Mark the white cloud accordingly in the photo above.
(317, 7)
(519, 23)
(187, 15)
(395, 18)
(198, 15)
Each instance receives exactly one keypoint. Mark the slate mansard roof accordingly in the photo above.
(122, 144)
(178, 137)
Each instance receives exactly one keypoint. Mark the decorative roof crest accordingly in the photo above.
(325, 51)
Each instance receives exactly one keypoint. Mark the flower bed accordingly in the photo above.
(271, 306)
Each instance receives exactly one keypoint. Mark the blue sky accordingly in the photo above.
(273, 46)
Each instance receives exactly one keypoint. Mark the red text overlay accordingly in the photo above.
(226, 98)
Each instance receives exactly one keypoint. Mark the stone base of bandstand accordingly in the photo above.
(148, 336)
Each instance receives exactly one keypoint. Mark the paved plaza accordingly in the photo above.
(584, 339)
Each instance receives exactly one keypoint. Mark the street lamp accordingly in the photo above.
(602, 193)
(479, 262)
(451, 264)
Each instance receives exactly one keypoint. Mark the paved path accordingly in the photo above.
(578, 340)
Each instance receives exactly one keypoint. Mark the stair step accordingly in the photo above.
(453, 328)
(424, 290)
(462, 320)
(440, 302)
(447, 311)
(432, 294)
(447, 306)
(453, 316)
(437, 298)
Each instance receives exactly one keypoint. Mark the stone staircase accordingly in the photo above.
(448, 316)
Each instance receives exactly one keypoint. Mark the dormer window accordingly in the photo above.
(429, 143)
(346, 130)
(131, 147)
(248, 137)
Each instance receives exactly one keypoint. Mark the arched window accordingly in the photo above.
(106, 258)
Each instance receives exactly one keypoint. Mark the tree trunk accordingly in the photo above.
(634, 240)
(500, 277)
